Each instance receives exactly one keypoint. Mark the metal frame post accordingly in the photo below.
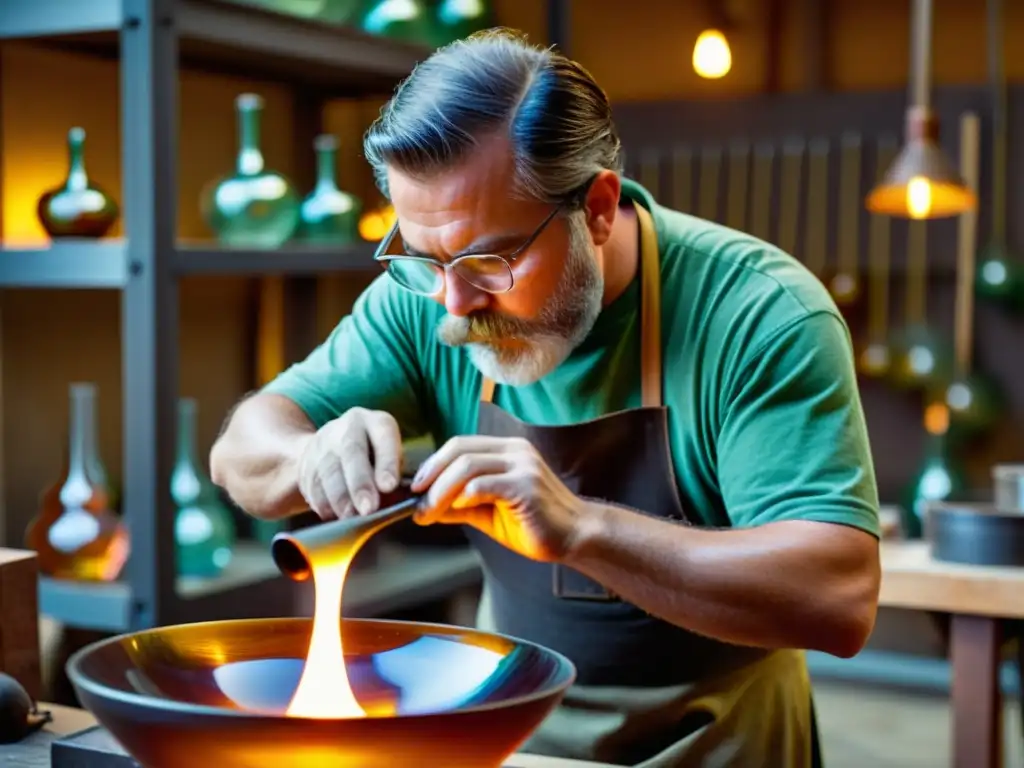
(149, 305)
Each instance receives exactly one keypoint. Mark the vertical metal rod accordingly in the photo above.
(997, 86)
(921, 45)
(559, 23)
(149, 311)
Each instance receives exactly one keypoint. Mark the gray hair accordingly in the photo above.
(557, 118)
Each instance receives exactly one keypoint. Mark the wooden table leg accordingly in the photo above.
(977, 697)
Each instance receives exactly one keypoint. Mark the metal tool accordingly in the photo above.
(294, 551)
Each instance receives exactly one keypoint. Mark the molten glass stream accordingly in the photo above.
(324, 553)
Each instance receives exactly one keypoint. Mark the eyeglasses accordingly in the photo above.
(425, 275)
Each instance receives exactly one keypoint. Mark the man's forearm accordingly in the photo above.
(792, 584)
(256, 457)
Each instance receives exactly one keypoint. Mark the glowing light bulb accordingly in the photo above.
(919, 197)
(711, 55)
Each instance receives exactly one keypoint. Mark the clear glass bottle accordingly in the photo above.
(329, 215)
(78, 207)
(75, 534)
(256, 207)
(204, 528)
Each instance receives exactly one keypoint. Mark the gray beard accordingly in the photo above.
(547, 340)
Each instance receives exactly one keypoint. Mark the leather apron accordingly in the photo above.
(648, 693)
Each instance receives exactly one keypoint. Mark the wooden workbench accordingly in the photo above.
(979, 601)
(34, 752)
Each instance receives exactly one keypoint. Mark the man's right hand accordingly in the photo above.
(349, 462)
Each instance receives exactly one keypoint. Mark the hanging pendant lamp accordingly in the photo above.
(922, 182)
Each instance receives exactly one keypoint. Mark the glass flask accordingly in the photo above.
(75, 534)
(204, 528)
(456, 19)
(407, 20)
(329, 215)
(78, 207)
(256, 207)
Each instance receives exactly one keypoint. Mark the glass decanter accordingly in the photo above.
(329, 215)
(256, 207)
(78, 207)
(204, 528)
(75, 534)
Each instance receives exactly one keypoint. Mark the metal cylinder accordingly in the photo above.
(296, 552)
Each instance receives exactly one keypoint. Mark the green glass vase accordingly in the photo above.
(329, 215)
(78, 207)
(256, 207)
(407, 20)
(940, 477)
(204, 529)
(457, 19)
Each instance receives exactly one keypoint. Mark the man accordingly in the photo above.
(648, 423)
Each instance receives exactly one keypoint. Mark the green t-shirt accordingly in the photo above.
(764, 413)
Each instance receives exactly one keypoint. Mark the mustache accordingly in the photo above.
(481, 327)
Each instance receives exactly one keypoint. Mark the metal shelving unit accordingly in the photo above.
(153, 40)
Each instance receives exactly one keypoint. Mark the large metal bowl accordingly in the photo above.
(215, 694)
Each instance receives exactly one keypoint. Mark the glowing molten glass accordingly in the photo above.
(324, 690)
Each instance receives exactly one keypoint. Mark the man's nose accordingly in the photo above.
(462, 298)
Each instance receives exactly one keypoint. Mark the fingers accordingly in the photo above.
(336, 475)
(386, 441)
(458, 446)
(464, 476)
(353, 453)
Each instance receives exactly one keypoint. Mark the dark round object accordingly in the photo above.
(15, 711)
(441, 696)
(976, 534)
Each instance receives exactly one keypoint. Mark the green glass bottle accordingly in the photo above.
(456, 19)
(78, 207)
(256, 207)
(406, 20)
(204, 529)
(329, 215)
(939, 478)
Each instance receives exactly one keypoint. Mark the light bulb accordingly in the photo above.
(711, 55)
(919, 197)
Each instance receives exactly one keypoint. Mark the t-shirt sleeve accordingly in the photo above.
(370, 360)
(793, 444)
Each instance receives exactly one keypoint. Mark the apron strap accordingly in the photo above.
(650, 317)
(650, 311)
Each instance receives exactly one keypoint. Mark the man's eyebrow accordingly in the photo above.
(486, 245)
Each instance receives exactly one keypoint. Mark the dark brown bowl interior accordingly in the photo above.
(215, 694)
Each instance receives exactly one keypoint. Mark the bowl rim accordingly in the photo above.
(80, 681)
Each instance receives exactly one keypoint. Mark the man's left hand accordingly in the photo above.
(504, 488)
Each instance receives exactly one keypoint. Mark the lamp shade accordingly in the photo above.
(921, 183)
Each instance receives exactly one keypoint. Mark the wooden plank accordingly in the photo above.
(19, 629)
(911, 578)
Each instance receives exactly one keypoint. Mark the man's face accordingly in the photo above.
(519, 336)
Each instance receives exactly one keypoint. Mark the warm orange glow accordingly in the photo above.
(936, 419)
(374, 225)
(324, 690)
(712, 57)
(919, 197)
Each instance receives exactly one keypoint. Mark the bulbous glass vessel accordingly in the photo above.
(78, 207)
(75, 534)
(329, 215)
(256, 207)
(204, 529)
